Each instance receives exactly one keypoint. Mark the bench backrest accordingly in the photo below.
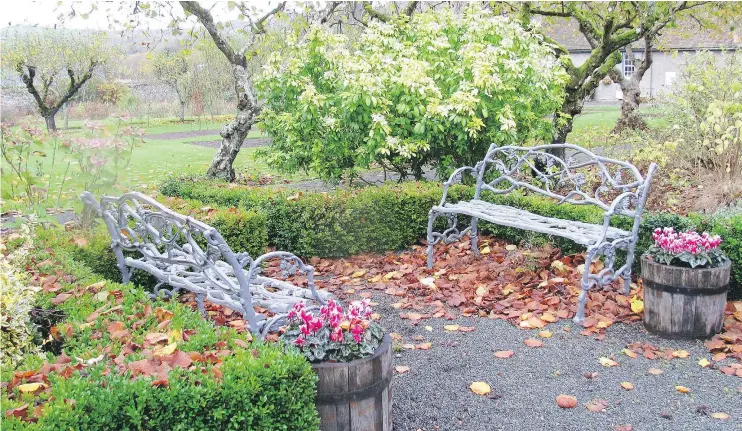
(139, 223)
(584, 178)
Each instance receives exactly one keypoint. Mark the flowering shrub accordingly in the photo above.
(334, 334)
(436, 89)
(16, 302)
(686, 248)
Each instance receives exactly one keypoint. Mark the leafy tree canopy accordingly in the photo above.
(437, 88)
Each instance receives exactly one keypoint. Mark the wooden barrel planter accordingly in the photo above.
(684, 302)
(356, 395)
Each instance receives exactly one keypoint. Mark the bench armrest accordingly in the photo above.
(456, 176)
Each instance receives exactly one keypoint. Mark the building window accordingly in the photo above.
(628, 66)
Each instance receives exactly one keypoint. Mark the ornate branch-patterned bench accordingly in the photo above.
(185, 253)
(620, 190)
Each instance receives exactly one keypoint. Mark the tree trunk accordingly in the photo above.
(631, 88)
(182, 111)
(67, 117)
(572, 106)
(630, 118)
(51, 125)
(233, 135)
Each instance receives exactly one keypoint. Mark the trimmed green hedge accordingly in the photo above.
(395, 216)
(262, 387)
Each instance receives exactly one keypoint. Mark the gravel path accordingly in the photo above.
(434, 394)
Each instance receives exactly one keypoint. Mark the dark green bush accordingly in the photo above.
(392, 217)
(262, 387)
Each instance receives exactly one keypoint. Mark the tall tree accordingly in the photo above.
(608, 27)
(54, 65)
(234, 133)
(704, 19)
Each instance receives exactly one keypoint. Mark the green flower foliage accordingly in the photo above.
(16, 302)
(436, 89)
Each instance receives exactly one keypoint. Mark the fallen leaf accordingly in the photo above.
(360, 273)
(682, 389)
(163, 314)
(504, 354)
(467, 328)
(480, 388)
(451, 327)
(680, 354)
(30, 387)
(166, 350)
(627, 385)
(401, 369)
(532, 342)
(630, 353)
(637, 305)
(720, 415)
(424, 346)
(566, 401)
(429, 328)
(655, 371)
(485, 250)
(606, 362)
(704, 362)
(626, 427)
(545, 334)
(61, 298)
(511, 247)
(597, 405)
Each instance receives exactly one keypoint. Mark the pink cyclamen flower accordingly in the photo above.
(300, 341)
(337, 335)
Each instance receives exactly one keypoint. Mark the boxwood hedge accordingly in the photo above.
(394, 216)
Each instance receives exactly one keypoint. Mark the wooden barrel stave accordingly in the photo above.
(356, 396)
(684, 302)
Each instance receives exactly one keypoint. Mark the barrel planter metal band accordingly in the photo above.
(685, 290)
(684, 302)
(356, 395)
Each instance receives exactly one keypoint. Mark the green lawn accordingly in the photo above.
(151, 162)
(159, 158)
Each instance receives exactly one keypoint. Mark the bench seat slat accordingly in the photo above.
(579, 232)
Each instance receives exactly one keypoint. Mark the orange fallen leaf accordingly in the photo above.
(597, 405)
(504, 354)
(531, 342)
(720, 415)
(401, 369)
(566, 401)
(682, 389)
(627, 385)
(424, 346)
(545, 334)
(655, 371)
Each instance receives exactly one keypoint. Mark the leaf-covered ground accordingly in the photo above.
(481, 343)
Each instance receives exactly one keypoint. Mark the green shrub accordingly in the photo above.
(260, 387)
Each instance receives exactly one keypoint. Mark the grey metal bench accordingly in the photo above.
(619, 189)
(187, 254)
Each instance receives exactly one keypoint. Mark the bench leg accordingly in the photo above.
(125, 273)
(627, 273)
(474, 234)
(432, 215)
(585, 289)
